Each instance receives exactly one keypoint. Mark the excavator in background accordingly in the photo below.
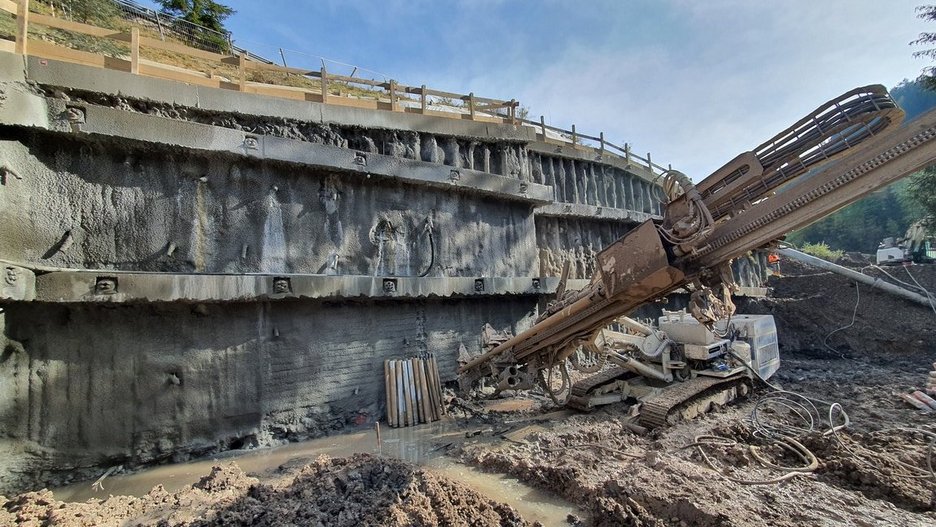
(915, 246)
(847, 148)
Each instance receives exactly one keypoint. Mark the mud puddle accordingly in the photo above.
(422, 445)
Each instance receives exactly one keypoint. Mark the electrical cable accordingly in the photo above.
(825, 341)
(929, 296)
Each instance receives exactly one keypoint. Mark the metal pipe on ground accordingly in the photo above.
(874, 283)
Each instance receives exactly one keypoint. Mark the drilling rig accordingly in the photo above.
(844, 150)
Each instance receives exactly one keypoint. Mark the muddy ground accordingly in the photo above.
(357, 490)
(871, 473)
(868, 474)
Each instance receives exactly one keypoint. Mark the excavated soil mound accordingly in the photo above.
(809, 304)
(358, 490)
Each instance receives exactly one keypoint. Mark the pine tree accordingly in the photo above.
(922, 185)
(927, 12)
(205, 13)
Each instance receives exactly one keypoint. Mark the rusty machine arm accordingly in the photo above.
(846, 149)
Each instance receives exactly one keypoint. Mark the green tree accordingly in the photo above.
(921, 189)
(889, 211)
(927, 12)
(205, 13)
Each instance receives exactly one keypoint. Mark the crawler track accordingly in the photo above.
(656, 411)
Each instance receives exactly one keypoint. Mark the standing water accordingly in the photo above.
(419, 445)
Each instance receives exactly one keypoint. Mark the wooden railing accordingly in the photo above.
(379, 95)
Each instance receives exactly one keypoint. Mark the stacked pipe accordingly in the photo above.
(413, 391)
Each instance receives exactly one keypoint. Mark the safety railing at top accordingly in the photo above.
(599, 144)
(235, 72)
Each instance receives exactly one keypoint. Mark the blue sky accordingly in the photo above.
(693, 82)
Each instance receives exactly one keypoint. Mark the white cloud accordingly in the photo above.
(743, 72)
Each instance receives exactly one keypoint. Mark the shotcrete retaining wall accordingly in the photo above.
(189, 270)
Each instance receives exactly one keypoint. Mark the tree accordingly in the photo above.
(921, 189)
(206, 13)
(927, 12)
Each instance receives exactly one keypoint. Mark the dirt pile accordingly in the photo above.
(814, 310)
(358, 490)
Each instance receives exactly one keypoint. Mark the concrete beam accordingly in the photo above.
(108, 286)
(553, 150)
(591, 212)
(112, 122)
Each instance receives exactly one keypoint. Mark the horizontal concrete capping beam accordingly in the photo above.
(576, 210)
(577, 284)
(112, 122)
(588, 154)
(122, 286)
(78, 77)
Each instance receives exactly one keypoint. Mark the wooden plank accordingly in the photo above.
(407, 387)
(394, 394)
(76, 27)
(135, 50)
(323, 78)
(41, 48)
(401, 397)
(254, 65)
(413, 389)
(412, 392)
(438, 386)
(392, 90)
(242, 71)
(489, 107)
(420, 415)
(354, 103)
(356, 80)
(22, 27)
(447, 95)
(161, 72)
(180, 48)
(285, 92)
(7, 45)
(433, 397)
(430, 381)
(387, 390)
(9, 6)
(426, 399)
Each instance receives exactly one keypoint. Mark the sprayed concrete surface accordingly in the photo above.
(191, 270)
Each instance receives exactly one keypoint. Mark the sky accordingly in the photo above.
(694, 82)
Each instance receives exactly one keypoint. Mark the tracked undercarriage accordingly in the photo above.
(709, 370)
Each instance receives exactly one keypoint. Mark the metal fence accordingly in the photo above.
(180, 29)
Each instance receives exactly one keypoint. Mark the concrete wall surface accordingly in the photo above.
(189, 270)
